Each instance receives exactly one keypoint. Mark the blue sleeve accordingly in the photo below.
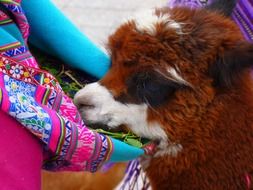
(123, 152)
(52, 32)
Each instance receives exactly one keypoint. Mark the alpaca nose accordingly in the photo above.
(81, 100)
(82, 105)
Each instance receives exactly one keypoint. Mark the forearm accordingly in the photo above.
(52, 32)
(92, 151)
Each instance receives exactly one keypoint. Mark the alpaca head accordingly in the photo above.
(167, 66)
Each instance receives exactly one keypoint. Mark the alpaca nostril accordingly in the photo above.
(81, 102)
(85, 105)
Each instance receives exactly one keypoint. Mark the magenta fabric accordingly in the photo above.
(20, 156)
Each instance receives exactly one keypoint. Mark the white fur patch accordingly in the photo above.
(146, 21)
(101, 107)
(168, 148)
(172, 74)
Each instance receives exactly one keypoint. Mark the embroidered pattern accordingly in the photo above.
(28, 74)
(35, 99)
(102, 155)
(20, 18)
(15, 51)
(24, 108)
(4, 19)
(69, 109)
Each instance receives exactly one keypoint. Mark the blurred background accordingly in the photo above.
(99, 18)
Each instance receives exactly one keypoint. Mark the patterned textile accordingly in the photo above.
(71, 80)
(243, 16)
(16, 50)
(34, 98)
(135, 178)
(188, 3)
(25, 93)
(20, 19)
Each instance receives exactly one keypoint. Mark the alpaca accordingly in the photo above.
(181, 77)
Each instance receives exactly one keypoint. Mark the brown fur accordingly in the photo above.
(214, 125)
(83, 180)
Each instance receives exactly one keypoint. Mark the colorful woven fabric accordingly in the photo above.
(18, 49)
(20, 18)
(35, 99)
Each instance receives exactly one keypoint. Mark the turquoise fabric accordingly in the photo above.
(6, 37)
(10, 34)
(54, 33)
(14, 33)
(123, 152)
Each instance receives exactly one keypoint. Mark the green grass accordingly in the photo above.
(71, 80)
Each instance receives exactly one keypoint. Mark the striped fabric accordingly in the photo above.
(243, 16)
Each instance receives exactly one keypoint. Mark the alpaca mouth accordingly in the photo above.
(155, 147)
(98, 126)
(122, 133)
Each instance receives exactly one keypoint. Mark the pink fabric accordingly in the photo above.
(35, 99)
(20, 156)
(63, 132)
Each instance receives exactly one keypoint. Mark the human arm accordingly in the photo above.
(55, 34)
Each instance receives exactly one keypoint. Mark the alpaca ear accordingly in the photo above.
(151, 87)
(228, 67)
(224, 7)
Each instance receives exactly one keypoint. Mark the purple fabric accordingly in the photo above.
(242, 14)
(188, 3)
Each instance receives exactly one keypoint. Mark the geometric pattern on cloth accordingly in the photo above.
(15, 51)
(15, 8)
(25, 93)
(28, 74)
(25, 109)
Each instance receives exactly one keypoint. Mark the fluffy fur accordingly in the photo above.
(104, 180)
(197, 87)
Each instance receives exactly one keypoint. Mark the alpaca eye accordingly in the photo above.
(149, 87)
